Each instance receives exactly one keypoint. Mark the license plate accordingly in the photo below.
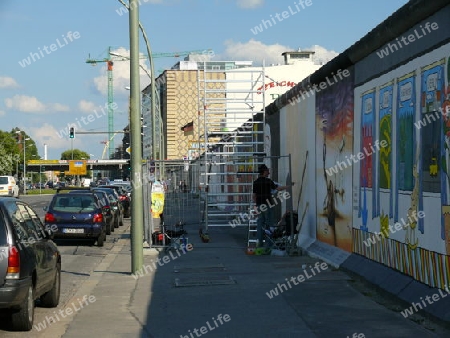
(73, 231)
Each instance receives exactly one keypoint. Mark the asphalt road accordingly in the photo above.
(79, 259)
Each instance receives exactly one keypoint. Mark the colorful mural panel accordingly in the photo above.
(367, 134)
(385, 136)
(406, 138)
(432, 94)
(413, 174)
(367, 172)
(334, 144)
(445, 161)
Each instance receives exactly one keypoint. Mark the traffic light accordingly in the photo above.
(129, 164)
(72, 132)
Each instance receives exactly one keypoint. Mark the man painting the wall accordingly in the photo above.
(263, 200)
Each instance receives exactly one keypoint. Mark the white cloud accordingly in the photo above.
(322, 55)
(30, 104)
(8, 82)
(257, 51)
(2, 113)
(87, 106)
(121, 74)
(249, 3)
(254, 51)
(51, 136)
(58, 107)
(25, 103)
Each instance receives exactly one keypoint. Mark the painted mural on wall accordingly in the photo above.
(385, 190)
(367, 171)
(407, 164)
(445, 160)
(431, 179)
(334, 144)
(410, 228)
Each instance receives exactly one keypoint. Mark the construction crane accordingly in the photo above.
(112, 57)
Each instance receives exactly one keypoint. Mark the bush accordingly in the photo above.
(42, 191)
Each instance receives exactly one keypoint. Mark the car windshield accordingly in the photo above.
(110, 192)
(74, 203)
(103, 198)
(3, 180)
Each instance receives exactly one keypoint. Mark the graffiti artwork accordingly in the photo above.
(335, 134)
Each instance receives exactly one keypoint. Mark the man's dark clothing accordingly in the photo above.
(262, 187)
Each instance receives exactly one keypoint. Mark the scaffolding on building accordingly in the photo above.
(230, 132)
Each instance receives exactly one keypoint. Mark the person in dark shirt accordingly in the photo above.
(263, 201)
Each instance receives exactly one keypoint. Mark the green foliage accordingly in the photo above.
(41, 191)
(77, 155)
(9, 153)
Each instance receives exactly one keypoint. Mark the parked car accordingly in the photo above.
(40, 185)
(77, 215)
(117, 207)
(103, 181)
(58, 185)
(8, 186)
(124, 198)
(126, 185)
(30, 263)
(109, 218)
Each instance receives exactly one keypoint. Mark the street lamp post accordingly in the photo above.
(40, 175)
(92, 171)
(24, 162)
(137, 215)
(152, 77)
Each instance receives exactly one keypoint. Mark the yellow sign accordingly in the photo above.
(157, 204)
(77, 167)
(46, 161)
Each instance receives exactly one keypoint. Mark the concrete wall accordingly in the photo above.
(382, 130)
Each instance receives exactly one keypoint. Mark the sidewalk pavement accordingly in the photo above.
(217, 290)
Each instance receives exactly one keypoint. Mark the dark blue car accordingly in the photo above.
(77, 215)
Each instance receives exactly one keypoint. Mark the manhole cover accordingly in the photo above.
(203, 281)
(211, 268)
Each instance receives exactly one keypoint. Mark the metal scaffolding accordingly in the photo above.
(230, 133)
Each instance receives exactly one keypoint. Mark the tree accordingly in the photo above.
(11, 151)
(75, 154)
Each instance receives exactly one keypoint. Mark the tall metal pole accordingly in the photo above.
(137, 217)
(152, 84)
(24, 167)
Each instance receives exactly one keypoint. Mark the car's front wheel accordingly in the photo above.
(22, 320)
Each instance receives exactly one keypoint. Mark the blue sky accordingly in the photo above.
(55, 87)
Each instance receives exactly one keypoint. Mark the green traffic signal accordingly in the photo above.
(72, 132)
